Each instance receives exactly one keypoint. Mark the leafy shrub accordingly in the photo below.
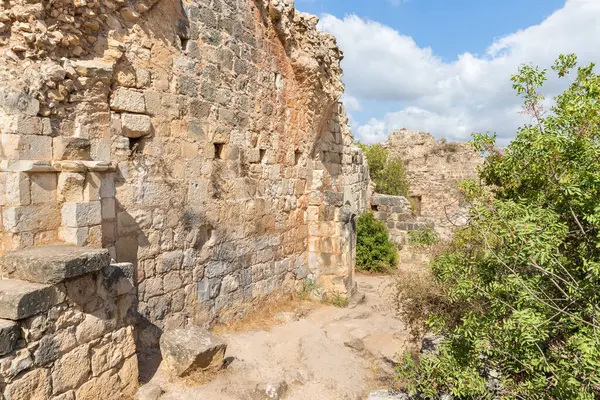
(375, 252)
(524, 274)
(388, 173)
(424, 237)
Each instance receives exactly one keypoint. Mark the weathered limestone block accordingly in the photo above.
(106, 386)
(35, 218)
(71, 148)
(81, 214)
(34, 385)
(190, 349)
(71, 370)
(43, 187)
(128, 100)
(70, 187)
(52, 264)
(135, 126)
(20, 299)
(15, 101)
(386, 200)
(9, 334)
(16, 187)
(26, 147)
(20, 124)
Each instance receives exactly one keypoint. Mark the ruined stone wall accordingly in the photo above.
(202, 140)
(434, 168)
(398, 215)
(67, 336)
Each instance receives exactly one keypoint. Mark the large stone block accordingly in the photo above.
(82, 214)
(33, 218)
(34, 385)
(26, 147)
(385, 200)
(16, 187)
(9, 334)
(191, 349)
(20, 299)
(43, 187)
(128, 100)
(71, 370)
(71, 148)
(53, 264)
(135, 126)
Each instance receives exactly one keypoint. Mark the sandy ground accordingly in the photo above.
(328, 354)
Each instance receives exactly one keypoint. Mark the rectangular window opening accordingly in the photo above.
(218, 151)
(262, 153)
(297, 157)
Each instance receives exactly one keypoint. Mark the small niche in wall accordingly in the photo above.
(219, 150)
(374, 207)
(184, 43)
(415, 201)
(297, 157)
(135, 146)
(261, 154)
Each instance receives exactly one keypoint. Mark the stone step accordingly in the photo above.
(21, 299)
(52, 264)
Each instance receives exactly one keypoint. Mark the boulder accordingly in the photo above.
(191, 349)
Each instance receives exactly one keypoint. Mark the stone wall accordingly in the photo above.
(203, 141)
(67, 333)
(399, 216)
(434, 168)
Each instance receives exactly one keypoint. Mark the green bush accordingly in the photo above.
(524, 274)
(375, 252)
(424, 237)
(388, 173)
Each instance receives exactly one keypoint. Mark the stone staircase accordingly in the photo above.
(53, 284)
(29, 278)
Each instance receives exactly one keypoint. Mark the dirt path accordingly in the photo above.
(329, 354)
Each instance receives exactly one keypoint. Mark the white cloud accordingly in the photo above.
(454, 99)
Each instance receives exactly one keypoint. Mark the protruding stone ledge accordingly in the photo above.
(56, 166)
(21, 299)
(52, 264)
(386, 200)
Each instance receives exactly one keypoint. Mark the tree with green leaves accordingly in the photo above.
(524, 274)
(387, 172)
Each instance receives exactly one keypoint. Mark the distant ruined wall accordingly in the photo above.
(203, 141)
(434, 168)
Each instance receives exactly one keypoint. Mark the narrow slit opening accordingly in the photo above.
(218, 151)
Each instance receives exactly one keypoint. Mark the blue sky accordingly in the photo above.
(444, 65)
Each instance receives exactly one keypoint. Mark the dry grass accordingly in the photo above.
(418, 296)
(261, 316)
